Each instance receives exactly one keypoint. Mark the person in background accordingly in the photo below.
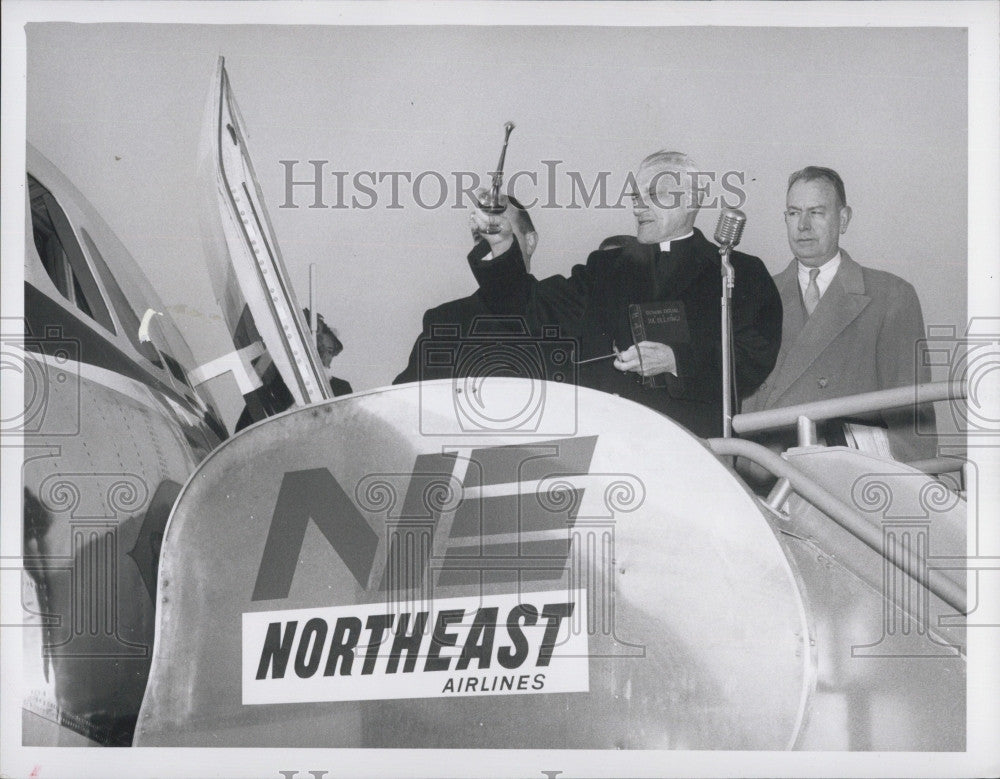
(273, 396)
(493, 309)
(329, 346)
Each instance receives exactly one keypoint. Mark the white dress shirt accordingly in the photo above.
(826, 273)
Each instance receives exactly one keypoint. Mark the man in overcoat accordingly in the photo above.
(846, 328)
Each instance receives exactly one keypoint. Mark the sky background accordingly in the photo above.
(119, 108)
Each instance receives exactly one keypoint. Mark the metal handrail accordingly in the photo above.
(841, 513)
(866, 402)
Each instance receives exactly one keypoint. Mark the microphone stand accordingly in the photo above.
(728, 281)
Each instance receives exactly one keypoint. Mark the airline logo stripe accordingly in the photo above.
(510, 477)
(500, 495)
(313, 494)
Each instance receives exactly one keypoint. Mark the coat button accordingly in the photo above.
(821, 383)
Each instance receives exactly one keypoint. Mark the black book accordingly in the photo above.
(662, 322)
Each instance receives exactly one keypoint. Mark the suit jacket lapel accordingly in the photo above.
(792, 320)
(840, 305)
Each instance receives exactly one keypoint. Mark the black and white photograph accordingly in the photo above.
(498, 389)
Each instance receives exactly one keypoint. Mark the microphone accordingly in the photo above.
(730, 228)
(727, 234)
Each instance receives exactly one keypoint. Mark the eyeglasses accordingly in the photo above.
(812, 213)
(666, 199)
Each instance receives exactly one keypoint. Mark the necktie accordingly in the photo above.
(811, 296)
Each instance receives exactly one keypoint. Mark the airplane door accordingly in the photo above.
(247, 271)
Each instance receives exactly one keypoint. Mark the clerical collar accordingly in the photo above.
(665, 245)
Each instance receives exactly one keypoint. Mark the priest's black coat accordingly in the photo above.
(587, 313)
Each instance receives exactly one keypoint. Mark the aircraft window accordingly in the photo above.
(80, 298)
(127, 315)
(62, 257)
(50, 251)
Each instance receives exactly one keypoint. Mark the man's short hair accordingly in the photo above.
(816, 173)
(322, 328)
(523, 218)
(677, 160)
(672, 160)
